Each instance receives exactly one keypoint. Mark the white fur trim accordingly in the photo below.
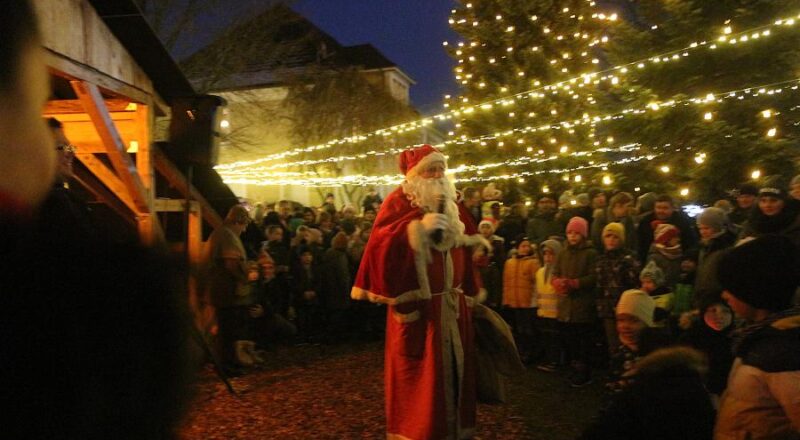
(424, 162)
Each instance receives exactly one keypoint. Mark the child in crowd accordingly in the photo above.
(710, 333)
(574, 279)
(654, 284)
(307, 289)
(245, 346)
(519, 278)
(490, 263)
(547, 311)
(617, 271)
(666, 251)
(634, 323)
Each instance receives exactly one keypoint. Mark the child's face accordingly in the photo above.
(548, 256)
(611, 242)
(741, 308)
(268, 271)
(306, 258)
(524, 248)
(706, 232)
(485, 230)
(629, 327)
(648, 285)
(275, 235)
(718, 316)
(574, 238)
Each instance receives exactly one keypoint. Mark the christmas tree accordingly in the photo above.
(512, 55)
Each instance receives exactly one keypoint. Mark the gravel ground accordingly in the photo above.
(336, 392)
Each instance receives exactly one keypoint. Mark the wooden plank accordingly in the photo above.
(178, 181)
(84, 135)
(194, 234)
(109, 179)
(92, 100)
(144, 169)
(174, 205)
(65, 67)
(92, 184)
(64, 106)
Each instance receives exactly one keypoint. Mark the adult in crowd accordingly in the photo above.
(544, 224)
(645, 204)
(775, 213)
(512, 225)
(665, 211)
(617, 211)
(599, 199)
(372, 200)
(762, 400)
(471, 202)
(336, 284)
(94, 341)
(74, 217)
(715, 237)
(226, 271)
(419, 263)
(745, 204)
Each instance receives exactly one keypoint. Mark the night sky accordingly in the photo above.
(408, 32)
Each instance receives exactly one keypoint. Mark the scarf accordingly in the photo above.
(670, 252)
(740, 336)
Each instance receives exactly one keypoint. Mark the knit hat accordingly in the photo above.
(664, 232)
(553, 245)
(487, 222)
(714, 218)
(654, 273)
(763, 272)
(583, 199)
(747, 189)
(415, 159)
(637, 303)
(646, 202)
(615, 228)
(579, 225)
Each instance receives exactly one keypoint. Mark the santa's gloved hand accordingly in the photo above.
(433, 221)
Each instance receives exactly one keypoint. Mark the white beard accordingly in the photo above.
(427, 194)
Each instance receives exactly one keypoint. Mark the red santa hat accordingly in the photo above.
(416, 159)
(664, 232)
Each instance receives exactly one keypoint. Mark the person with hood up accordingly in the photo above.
(547, 312)
(762, 400)
(653, 283)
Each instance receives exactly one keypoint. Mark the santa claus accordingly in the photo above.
(418, 263)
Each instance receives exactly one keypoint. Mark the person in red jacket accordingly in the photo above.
(419, 262)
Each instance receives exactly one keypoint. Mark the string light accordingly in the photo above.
(739, 94)
(772, 132)
(665, 169)
(684, 192)
(755, 175)
(427, 121)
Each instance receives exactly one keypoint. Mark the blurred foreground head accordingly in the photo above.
(27, 158)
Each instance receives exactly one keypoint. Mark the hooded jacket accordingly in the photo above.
(577, 262)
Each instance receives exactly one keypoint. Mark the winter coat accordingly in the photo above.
(519, 280)
(717, 346)
(491, 269)
(336, 280)
(546, 297)
(602, 217)
(786, 223)
(762, 400)
(706, 283)
(577, 262)
(617, 271)
(670, 266)
(543, 226)
(666, 400)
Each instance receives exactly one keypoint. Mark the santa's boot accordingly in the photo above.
(243, 358)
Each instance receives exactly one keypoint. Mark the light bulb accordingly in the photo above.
(665, 169)
(708, 116)
(755, 174)
(684, 192)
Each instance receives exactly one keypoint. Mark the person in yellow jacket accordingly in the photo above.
(519, 295)
(547, 308)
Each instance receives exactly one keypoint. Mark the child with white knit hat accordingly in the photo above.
(635, 311)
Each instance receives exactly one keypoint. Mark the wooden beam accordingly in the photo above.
(73, 70)
(92, 184)
(194, 234)
(174, 205)
(67, 106)
(109, 179)
(177, 180)
(84, 135)
(93, 102)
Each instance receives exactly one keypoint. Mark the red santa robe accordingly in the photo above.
(429, 290)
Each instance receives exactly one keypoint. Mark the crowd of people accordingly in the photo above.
(594, 280)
